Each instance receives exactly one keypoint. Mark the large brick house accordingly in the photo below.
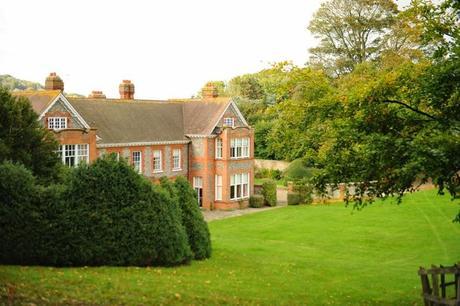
(206, 140)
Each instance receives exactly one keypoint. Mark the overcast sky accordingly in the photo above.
(168, 48)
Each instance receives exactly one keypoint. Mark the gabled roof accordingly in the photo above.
(132, 121)
(201, 116)
(39, 99)
(138, 121)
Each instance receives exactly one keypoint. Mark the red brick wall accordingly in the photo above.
(79, 136)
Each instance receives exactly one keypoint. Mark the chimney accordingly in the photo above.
(209, 91)
(96, 94)
(126, 90)
(54, 82)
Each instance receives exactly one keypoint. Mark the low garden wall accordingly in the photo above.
(271, 164)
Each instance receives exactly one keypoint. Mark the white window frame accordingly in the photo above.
(198, 187)
(137, 160)
(157, 160)
(219, 147)
(77, 153)
(218, 183)
(57, 123)
(177, 160)
(239, 186)
(240, 148)
(228, 121)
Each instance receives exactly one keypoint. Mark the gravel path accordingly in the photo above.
(210, 215)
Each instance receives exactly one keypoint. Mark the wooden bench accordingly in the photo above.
(437, 292)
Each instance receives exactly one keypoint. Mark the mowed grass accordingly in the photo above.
(316, 255)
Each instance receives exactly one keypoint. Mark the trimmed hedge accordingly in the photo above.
(293, 198)
(196, 227)
(132, 221)
(106, 214)
(256, 201)
(269, 192)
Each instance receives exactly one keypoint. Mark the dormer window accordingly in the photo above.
(229, 122)
(57, 123)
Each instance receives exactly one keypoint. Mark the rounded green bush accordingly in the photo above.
(120, 218)
(298, 170)
(104, 214)
(256, 201)
(269, 192)
(293, 198)
(196, 227)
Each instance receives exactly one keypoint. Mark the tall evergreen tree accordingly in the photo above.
(24, 140)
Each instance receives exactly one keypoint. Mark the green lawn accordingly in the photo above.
(313, 255)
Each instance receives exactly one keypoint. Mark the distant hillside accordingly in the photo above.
(12, 83)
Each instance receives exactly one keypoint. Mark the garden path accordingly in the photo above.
(210, 215)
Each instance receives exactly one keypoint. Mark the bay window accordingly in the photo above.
(73, 154)
(239, 147)
(239, 186)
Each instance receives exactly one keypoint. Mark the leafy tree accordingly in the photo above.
(350, 32)
(24, 140)
(292, 134)
(246, 86)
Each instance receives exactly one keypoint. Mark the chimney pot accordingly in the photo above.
(96, 94)
(126, 89)
(210, 91)
(54, 82)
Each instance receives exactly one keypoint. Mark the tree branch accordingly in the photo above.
(415, 110)
(449, 123)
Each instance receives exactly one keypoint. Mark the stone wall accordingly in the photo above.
(271, 164)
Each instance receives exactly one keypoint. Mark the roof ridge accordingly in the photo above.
(35, 92)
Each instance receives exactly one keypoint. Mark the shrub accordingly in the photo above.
(196, 227)
(293, 198)
(17, 211)
(170, 236)
(30, 218)
(105, 214)
(305, 190)
(256, 201)
(119, 218)
(269, 192)
(298, 170)
(274, 174)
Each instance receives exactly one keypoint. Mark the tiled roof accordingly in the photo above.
(131, 121)
(40, 99)
(200, 116)
(128, 121)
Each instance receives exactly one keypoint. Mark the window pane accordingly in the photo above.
(245, 190)
(157, 164)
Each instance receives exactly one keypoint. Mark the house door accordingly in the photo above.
(198, 186)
